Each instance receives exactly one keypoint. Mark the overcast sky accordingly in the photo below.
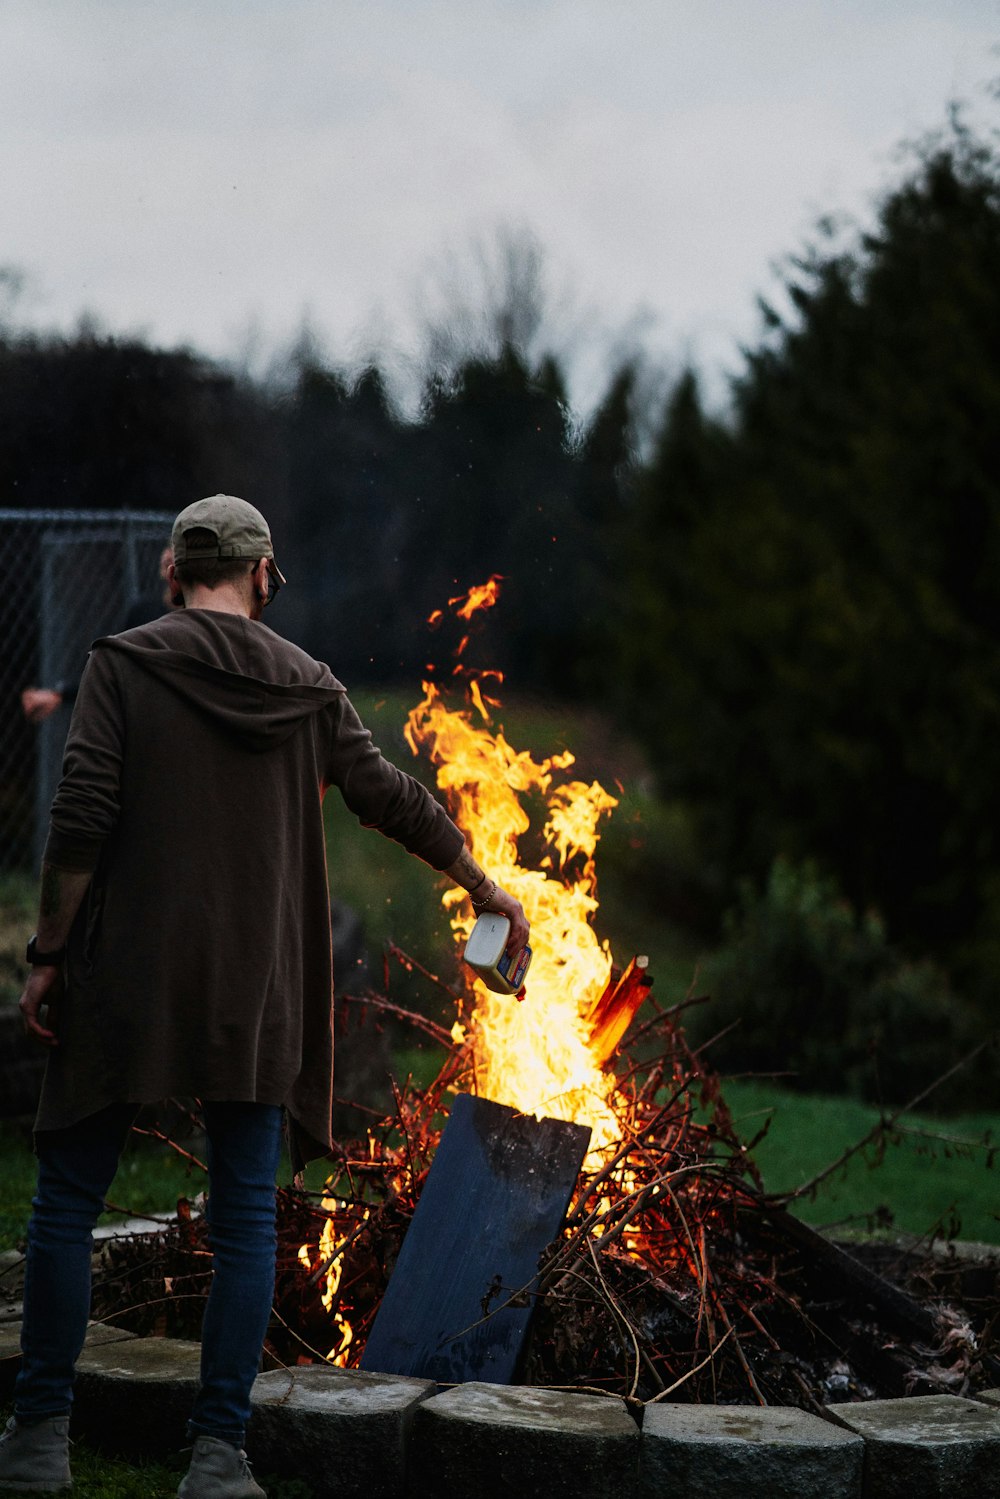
(195, 169)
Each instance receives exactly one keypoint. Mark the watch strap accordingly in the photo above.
(38, 959)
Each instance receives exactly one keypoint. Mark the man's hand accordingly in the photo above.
(39, 703)
(41, 992)
(61, 897)
(466, 872)
(504, 904)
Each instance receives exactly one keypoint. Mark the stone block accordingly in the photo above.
(98, 1333)
(133, 1399)
(340, 1431)
(10, 1357)
(11, 1273)
(745, 1452)
(927, 1447)
(497, 1440)
(988, 1397)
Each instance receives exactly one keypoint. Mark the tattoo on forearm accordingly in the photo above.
(465, 870)
(49, 900)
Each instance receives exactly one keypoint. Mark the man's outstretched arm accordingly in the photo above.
(61, 897)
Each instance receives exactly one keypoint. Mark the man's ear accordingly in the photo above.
(176, 596)
(260, 580)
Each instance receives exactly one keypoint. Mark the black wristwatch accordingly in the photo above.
(42, 959)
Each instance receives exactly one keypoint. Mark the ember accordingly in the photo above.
(674, 1276)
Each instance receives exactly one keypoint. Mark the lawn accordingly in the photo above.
(934, 1174)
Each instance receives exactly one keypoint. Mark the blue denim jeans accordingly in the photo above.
(75, 1169)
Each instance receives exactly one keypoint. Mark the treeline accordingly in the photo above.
(795, 605)
(814, 584)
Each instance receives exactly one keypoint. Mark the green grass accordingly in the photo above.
(99, 1477)
(933, 1173)
(17, 1183)
(18, 905)
(96, 1477)
(150, 1179)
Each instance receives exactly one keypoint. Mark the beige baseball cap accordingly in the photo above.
(238, 527)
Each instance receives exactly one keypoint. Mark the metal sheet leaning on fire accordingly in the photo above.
(494, 1198)
(199, 964)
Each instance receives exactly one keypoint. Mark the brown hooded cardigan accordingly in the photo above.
(199, 964)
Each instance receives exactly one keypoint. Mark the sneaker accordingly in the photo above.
(35, 1459)
(218, 1471)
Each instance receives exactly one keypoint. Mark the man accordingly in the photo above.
(183, 947)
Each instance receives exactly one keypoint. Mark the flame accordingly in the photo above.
(533, 1056)
(330, 1255)
(543, 1057)
(479, 596)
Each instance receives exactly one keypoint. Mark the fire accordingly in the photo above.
(546, 1055)
(534, 1056)
(480, 596)
(330, 1260)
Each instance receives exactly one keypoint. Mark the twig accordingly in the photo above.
(298, 1337)
(421, 1022)
(613, 1303)
(410, 963)
(758, 1392)
(713, 1353)
(157, 1134)
(662, 1016)
(881, 1128)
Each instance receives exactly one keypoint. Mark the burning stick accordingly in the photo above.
(610, 1016)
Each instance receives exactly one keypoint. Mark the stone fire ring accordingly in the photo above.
(358, 1435)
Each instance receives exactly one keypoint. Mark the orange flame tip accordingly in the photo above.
(477, 699)
(479, 596)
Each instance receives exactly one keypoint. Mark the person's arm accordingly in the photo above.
(486, 895)
(61, 897)
(84, 812)
(384, 797)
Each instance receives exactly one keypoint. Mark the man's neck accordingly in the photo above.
(221, 600)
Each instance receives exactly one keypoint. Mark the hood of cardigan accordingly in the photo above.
(252, 683)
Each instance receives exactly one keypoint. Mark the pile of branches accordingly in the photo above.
(676, 1276)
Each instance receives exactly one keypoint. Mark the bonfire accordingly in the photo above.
(675, 1275)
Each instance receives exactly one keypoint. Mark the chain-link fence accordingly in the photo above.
(66, 577)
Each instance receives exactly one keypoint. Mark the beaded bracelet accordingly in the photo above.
(483, 902)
